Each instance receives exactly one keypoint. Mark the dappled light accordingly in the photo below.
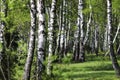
(59, 39)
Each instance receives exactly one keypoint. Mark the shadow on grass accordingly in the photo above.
(91, 75)
(101, 57)
(99, 67)
(93, 70)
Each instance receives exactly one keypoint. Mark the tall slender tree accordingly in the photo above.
(96, 38)
(31, 44)
(88, 24)
(3, 15)
(110, 38)
(41, 37)
(78, 46)
(51, 38)
(81, 24)
(59, 39)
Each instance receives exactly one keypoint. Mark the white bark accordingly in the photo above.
(110, 38)
(3, 68)
(78, 45)
(88, 26)
(50, 35)
(1, 39)
(31, 46)
(96, 38)
(106, 39)
(80, 14)
(67, 27)
(2, 25)
(109, 19)
(80, 19)
(113, 39)
(41, 37)
(59, 33)
(116, 33)
(62, 36)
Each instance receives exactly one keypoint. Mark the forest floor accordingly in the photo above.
(95, 68)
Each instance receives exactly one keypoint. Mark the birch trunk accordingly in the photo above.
(76, 41)
(117, 32)
(2, 25)
(58, 49)
(50, 35)
(118, 50)
(96, 38)
(88, 25)
(78, 44)
(4, 71)
(106, 39)
(110, 38)
(41, 37)
(31, 46)
(66, 26)
(62, 40)
(80, 13)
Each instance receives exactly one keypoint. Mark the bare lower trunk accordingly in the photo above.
(88, 26)
(3, 56)
(31, 46)
(117, 33)
(59, 34)
(118, 50)
(51, 36)
(96, 39)
(106, 39)
(80, 13)
(41, 38)
(110, 38)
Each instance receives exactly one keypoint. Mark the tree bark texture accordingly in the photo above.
(51, 34)
(41, 38)
(31, 46)
(110, 38)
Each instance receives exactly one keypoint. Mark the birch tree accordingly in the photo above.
(96, 38)
(106, 39)
(77, 34)
(41, 37)
(88, 25)
(80, 41)
(51, 27)
(78, 45)
(2, 25)
(31, 45)
(80, 13)
(3, 15)
(58, 49)
(110, 38)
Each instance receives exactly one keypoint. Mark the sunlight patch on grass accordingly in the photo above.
(92, 70)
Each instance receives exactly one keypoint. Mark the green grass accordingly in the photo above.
(100, 69)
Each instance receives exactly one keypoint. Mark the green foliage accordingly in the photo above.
(92, 70)
(17, 23)
(97, 68)
(21, 59)
(115, 6)
(67, 59)
(54, 57)
(17, 15)
(58, 71)
(93, 57)
(22, 47)
(1, 46)
(101, 66)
